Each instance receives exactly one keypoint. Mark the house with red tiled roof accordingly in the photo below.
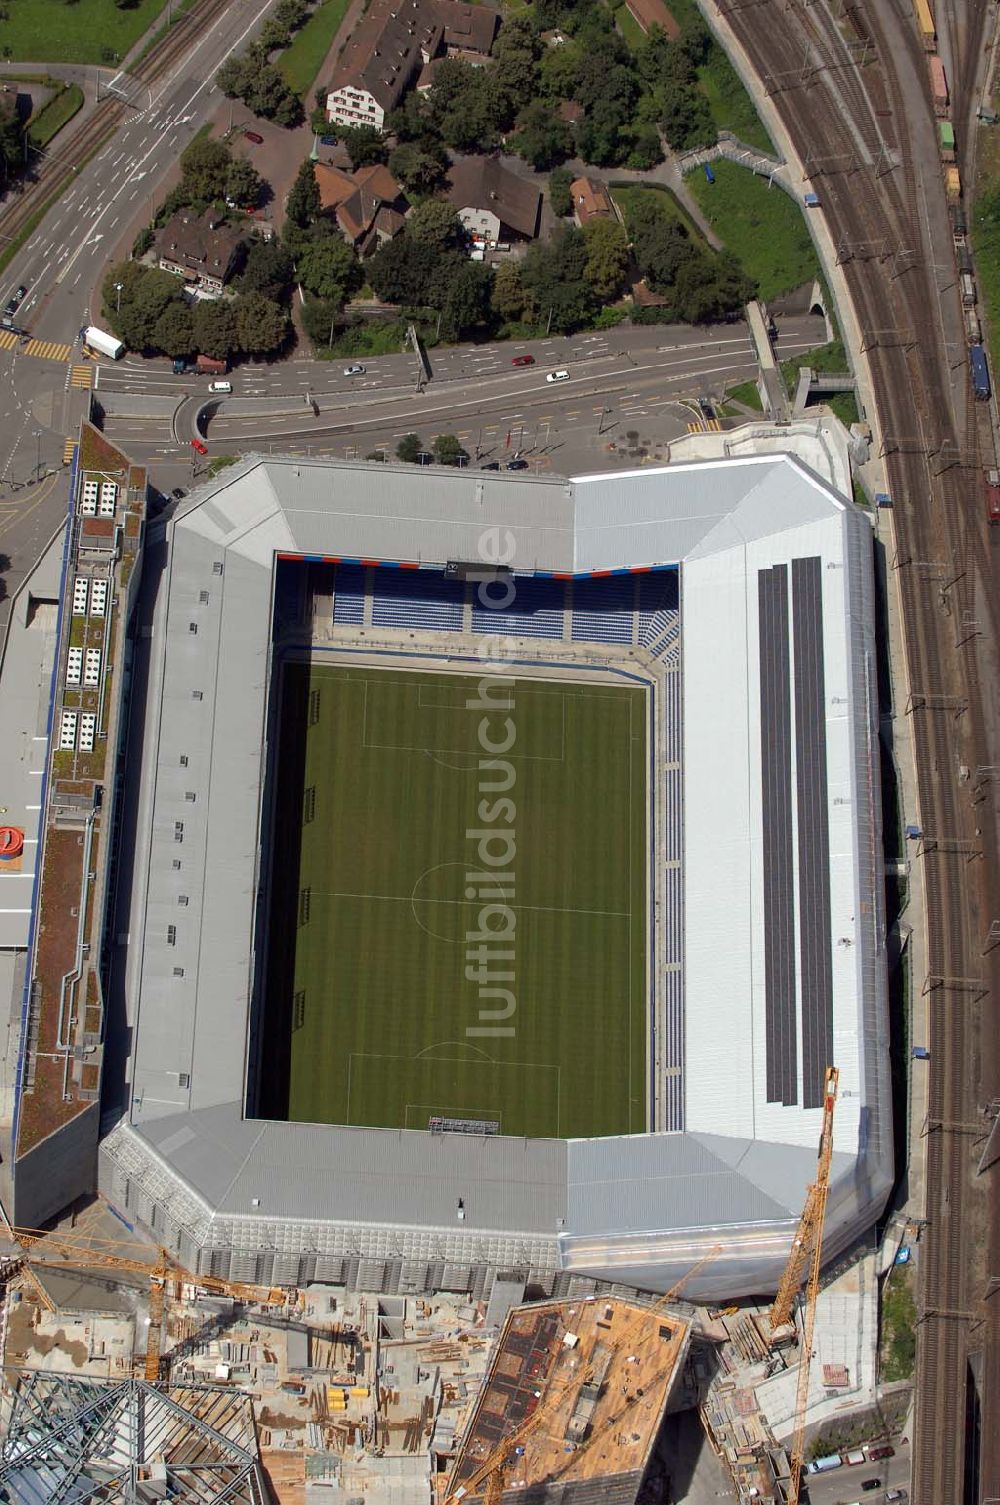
(591, 200)
(368, 205)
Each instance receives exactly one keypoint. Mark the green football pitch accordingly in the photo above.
(375, 1006)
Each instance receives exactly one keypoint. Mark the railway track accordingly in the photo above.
(57, 169)
(872, 195)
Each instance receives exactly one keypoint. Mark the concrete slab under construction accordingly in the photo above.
(577, 1392)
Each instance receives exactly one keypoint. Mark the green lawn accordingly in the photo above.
(629, 27)
(303, 58)
(731, 105)
(761, 225)
(50, 31)
(667, 205)
(51, 118)
(374, 1018)
(986, 243)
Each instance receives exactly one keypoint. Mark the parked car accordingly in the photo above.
(881, 1449)
(199, 446)
(255, 137)
(517, 464)
(178, 493)
(355, 370)
(898, 1495)
(523, 360)
(15, 300)
(558, 376)
(491, 465)
(869, 1484)
(328, 141)
(855, 1455)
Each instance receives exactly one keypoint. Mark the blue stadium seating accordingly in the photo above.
(603, 609)
(536, 611)
(658, 605)
(417, 598)
(349, 594)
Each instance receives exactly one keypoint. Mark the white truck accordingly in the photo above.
(104, 344)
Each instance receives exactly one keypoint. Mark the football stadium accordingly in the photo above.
(507, 871)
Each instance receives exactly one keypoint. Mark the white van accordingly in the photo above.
(220, 386)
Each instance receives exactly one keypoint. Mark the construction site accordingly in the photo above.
(130, 1379)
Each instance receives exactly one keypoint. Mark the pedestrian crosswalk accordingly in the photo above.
(709, 426)
(68, 447)
(8, 339)
(48, 350)
(81, 376)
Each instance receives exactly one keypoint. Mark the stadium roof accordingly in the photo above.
(783, 929)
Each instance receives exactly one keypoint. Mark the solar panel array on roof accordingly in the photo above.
(776, 817)
(813, 828)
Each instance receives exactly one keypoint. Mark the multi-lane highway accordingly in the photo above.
(473, 389)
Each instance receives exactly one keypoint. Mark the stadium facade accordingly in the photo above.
(774, 880)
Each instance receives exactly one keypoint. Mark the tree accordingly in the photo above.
(435, 223)
(215, 328)
(507, 296)
(515, 69)
(268, 94)
(135, 308)
(542, 138)
(268, 270)
(661, 247)
(173, 332)
(419, 170)
(205, 165)
(560, 198)
(646, 149)
(329, 268)
(448, 450)
(687, 119)
(142, 242)
(404, 271)
(555, 284)
(303, 205)
(607, 257)
(232, 77)
(364, 145)
(321, 320)
(244, 184)
(261, 326)
(408, 448)
(466, 304)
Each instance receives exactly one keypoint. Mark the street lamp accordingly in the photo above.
(38, 452)
(118, 298)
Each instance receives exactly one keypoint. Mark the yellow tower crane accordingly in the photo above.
(85, 1252)
(809, 1234)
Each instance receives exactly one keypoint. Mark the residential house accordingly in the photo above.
(493, 204)
(591, 200)
(468, 31)
(368, 205)
(381, 59)
(203, 249)
(395, 41)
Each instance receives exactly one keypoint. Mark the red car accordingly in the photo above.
(523, 360)
(255, 137)
(202, 449)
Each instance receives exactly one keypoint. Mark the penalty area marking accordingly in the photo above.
(464, 1061)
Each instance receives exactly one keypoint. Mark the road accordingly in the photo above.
(67, 256)
(472, 388)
